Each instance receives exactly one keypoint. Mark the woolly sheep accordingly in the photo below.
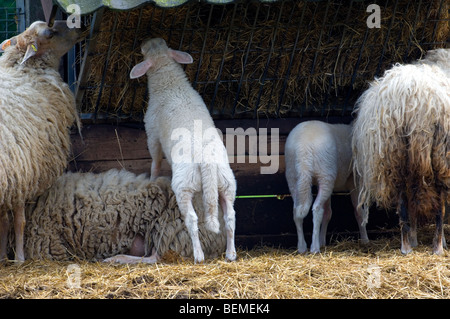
(401, 144)
(319, 154)
(179, 125)
(37, 110)
(96, 216)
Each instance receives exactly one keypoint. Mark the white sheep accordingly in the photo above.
(401, 144)
(320, 154)
(110, 214)
(37, 110)
(179, 125)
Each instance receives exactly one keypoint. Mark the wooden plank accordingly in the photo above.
(108, 142)
(258, 220)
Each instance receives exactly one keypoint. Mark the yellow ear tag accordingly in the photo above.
(34, 48)
(6, 44)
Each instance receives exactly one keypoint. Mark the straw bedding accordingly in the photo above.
(290, 56)
(343, 270)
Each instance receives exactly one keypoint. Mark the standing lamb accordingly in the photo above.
(97, 216)
(319, 154)
(179, 126)
(401, 144)
(37, 110)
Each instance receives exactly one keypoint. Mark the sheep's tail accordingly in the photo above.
(210, 196)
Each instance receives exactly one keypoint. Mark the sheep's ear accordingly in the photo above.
(140, 69)
(181, 57)
(31, 51)
(7, 43)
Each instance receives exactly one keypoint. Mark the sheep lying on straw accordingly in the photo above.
(96, 216)
(37, 110)
(401, 144)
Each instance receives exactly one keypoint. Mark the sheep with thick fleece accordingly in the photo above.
(320, 154)
(106, 215)
(179, 125)
(37, 110)
(401, 144)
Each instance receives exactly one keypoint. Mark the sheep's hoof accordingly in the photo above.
(406, 250)
(438, 250)
(231, 256)
(364, 241)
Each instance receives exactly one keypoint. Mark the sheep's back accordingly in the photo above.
(401, 136)
(96, 216)
(36, 112)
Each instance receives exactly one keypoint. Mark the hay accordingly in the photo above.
(307, 57)
(343, 270)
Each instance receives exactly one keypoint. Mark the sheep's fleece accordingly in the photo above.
(96, 216)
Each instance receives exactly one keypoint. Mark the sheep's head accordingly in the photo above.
(41, 41)
(155, 51)
(440, 57)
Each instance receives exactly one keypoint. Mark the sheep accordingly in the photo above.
(179, 125)
(93, 216)
(318, 153)
(401, 144)
(37, 110)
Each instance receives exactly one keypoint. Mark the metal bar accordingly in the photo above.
(413, 31)
(186, 18)
(119, 109)
(328, 105)
(291, 61)
(241, 80)
(386, 41)
(105, 67)
(86, 62)
(266, 68)
(202, 52)
(313, 67)
(135, 43)
(433, 36)
(225, 49)
(304, 102)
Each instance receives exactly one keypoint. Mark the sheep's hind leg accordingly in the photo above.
(406, 247)
(359, 217)
(326, 219)
(19, 227)
(156, 153)
(191, 221)
(438, 241)
(323, 195)
(4, 227)
(229, 216)
(301, 209)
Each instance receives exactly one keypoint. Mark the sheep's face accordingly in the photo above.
(157, 53)
(40, 40)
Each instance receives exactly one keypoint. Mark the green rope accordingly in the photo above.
(281, 197)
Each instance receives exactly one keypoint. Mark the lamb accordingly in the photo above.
(105, 215)
(37, 110)
(401, 144)
(179, 125)
(319, 154)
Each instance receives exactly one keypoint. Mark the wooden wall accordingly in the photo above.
(259, 221)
